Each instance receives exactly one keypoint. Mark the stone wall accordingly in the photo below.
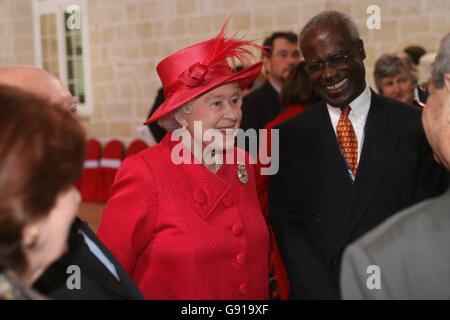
(129, 37)
(16, 33)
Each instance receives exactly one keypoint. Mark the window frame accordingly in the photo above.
(58, 7)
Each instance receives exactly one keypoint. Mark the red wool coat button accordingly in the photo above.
(200, 196)
(237, 229)
(243, 289)
(240, 259)
(228, 200)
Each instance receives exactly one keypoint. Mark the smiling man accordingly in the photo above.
(346, 164)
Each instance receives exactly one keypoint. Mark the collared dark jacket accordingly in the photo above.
(97, 282)
(315, 208)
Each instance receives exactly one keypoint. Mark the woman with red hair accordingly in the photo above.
(41, 157)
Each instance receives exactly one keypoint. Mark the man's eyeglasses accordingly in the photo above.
(337, 61)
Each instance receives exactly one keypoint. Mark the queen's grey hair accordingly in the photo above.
(169, 122)
(331, 18)
(389, 65)
(441, 64)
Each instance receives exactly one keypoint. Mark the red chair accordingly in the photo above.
(109, 164)
(89, 183)
(136, 146)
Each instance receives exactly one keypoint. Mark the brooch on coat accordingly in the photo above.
(242, 173)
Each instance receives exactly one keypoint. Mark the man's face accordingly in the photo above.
(285, 56)
(40, 83)
(398, 87)
(342, 79)
(436, 123)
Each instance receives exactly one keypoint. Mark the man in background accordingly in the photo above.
(346, 163)
(280, 58)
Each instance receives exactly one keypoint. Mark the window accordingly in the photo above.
(61, 46)
(49, 43)
(75, 68)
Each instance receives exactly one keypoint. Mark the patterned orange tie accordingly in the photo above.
(347, 140)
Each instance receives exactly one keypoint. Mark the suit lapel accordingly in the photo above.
(327, 155)
(379, 144)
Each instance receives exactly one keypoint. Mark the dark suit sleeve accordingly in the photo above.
(432, 178)
(309, 276)
(157, 132)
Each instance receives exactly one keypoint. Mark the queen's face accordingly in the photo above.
(218, 114)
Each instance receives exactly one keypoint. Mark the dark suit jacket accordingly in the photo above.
(97, 282)
(260, 107)
(316, 210)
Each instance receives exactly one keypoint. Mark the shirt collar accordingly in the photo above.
(277, 88)
(360, 105)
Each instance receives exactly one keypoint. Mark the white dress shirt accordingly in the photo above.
(277, 88)
(357, 116)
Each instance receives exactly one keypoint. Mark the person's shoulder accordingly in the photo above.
(404, 118)
(257, 94)
(410, 250)
(143, 158)
(140, 168)
(426, 221)
(305, 120)
(397, 107)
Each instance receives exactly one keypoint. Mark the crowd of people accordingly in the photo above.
(362, 178)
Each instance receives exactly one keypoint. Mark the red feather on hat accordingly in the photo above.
(228, 48)
(198, 77)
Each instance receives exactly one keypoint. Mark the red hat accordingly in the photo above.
(192, 71)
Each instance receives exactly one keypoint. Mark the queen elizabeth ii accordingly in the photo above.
(183, 221)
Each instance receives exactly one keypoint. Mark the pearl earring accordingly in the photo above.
(34, 234)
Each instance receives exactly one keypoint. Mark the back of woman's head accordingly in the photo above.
(41, 155)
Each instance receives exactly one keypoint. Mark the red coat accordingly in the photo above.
(182, 232)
